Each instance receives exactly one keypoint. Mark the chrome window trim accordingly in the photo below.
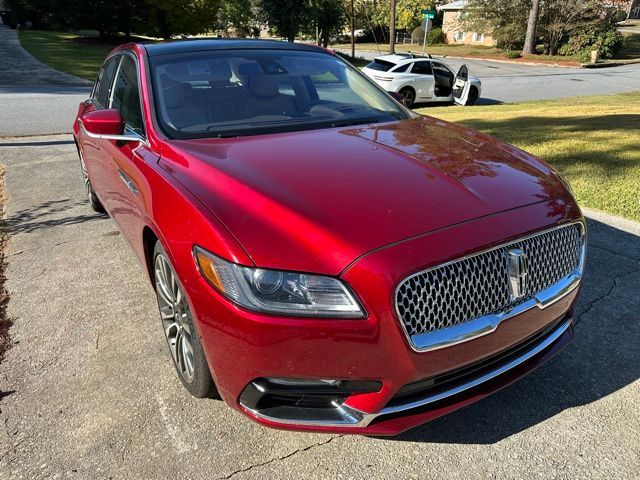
(354, 418)
(481, 326)
(142, 137)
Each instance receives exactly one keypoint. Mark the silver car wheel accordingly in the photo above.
(176, 317)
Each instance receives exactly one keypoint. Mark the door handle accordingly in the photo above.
(130, 184)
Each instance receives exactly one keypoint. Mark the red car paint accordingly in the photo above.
(370, 204)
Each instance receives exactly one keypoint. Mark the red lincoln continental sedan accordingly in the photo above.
(324, 259)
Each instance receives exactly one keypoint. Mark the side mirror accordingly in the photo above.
(396, 96)
(106, 124)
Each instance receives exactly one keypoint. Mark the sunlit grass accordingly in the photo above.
(62, 52)
(593, 141)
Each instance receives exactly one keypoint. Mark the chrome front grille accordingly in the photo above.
(478, 285)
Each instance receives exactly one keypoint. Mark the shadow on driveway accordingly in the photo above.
(46, 215)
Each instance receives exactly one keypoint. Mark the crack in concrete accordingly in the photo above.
(602, 297)
(13, 447)
(53, 245)
(278, 459)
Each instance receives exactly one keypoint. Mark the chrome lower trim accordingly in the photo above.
(351, 417)
(547, 342)
(478, 327)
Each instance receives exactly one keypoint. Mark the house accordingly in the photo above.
(453, 30)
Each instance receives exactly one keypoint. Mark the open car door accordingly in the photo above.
(461, 86)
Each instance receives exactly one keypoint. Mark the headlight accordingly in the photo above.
(273, 291)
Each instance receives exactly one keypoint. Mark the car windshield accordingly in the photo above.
(228, 93)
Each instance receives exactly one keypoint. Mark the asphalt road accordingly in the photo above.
(89, 390)
(510, 82)
(34, 99)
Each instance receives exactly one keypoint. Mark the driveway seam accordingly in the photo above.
(605, 249)
(278, 459)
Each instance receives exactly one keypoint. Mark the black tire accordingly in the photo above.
(199, 382)
(94, 203)
(473, 96)
(408, 96)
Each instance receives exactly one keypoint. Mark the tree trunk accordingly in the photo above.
(353, 32)
(530, 39)
(392, 27)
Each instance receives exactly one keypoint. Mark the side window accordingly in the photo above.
(422, 68)
(126, 95)
(104, 82)
(401, 68)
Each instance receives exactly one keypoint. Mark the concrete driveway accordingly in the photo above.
(88, 390)
(34, 98)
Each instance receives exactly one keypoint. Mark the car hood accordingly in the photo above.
(317, 200)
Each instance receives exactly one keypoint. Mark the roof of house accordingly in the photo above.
(457, 5)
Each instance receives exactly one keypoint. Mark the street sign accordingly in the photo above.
(429, 13)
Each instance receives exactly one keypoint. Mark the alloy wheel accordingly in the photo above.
(408, 97)
(177, 321)
(85, 178)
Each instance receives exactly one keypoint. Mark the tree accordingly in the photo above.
(166, 18)
(237, 14)
(284, 16)
(530, 37)
(392, 27)
(327, 17)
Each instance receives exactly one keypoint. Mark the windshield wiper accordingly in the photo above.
(356, 121)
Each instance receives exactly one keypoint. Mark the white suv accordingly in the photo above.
(423, 79)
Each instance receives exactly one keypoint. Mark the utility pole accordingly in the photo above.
(392, 28)
(530, 39)
(353, 32)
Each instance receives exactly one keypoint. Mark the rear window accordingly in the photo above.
(402, 68)
(381, 65)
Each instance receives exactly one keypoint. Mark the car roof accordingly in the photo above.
(201, 45)
(399, 58)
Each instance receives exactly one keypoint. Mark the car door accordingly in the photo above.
(423, 79)
(91, 151)
(129, 193)
(461, 86)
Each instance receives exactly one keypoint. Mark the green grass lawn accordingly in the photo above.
(593, 141)
(79, 56)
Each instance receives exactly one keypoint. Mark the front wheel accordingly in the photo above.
(408, 96)
(94, 203)
(473, 96)
(179, 329)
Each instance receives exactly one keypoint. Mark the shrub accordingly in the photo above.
(512, 54)
(608, 44)
(435, 35)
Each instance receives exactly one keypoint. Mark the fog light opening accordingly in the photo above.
(305, 400)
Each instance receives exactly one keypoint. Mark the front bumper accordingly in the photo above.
(243, 346)
(426, 406)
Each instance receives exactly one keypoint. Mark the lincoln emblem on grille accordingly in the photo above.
(517, 269)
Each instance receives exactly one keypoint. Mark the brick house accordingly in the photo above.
(453, 31)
